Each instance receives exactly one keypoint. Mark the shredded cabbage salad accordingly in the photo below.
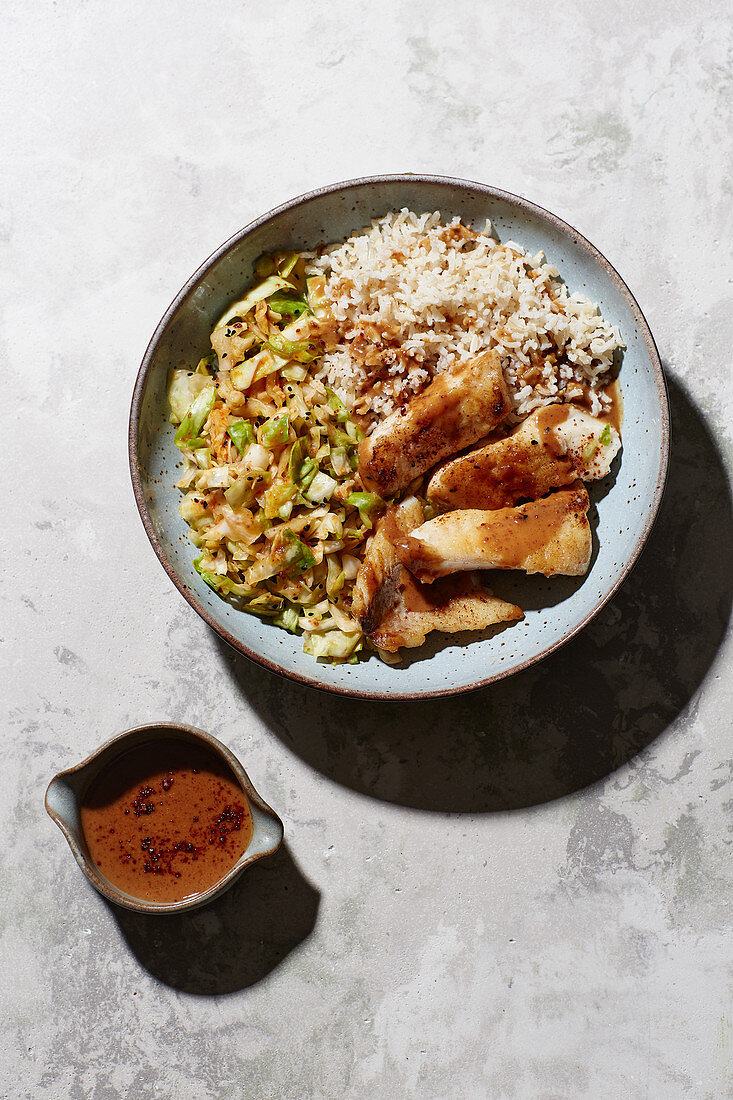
(271, 490)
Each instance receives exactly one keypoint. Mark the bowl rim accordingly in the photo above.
(109, 751)
(188, 289)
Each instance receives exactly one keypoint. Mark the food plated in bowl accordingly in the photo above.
(352, 395)
(379, 415)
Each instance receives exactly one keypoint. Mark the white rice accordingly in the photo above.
(438, 298)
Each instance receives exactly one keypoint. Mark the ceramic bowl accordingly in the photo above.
(67, 789)
(556, 609)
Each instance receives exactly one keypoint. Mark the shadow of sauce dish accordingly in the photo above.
(162, 818)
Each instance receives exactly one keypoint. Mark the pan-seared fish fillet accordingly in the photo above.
(545, 536)
(554, 446)
(396, 610)
(457, 408)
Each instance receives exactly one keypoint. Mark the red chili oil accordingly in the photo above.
(166, 820)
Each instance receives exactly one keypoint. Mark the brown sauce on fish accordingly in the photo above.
(514, 477)
(511, 470)
(549, 417)
(520, 532)
(515, 533)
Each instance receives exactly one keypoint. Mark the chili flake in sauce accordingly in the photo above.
(166, 820)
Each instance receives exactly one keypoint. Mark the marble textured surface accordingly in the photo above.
(523, 893)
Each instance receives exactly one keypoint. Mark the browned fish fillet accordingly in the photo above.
(554, 446)
(455, 410)
(396, 610)
(546, 536)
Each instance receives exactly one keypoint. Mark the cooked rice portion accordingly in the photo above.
(410, 296)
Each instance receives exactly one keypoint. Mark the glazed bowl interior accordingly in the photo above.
(555, 609)
(67, 790)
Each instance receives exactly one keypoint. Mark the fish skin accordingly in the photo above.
(457, 408)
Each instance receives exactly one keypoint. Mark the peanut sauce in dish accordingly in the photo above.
(166, 820)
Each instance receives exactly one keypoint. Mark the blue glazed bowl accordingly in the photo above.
(555, 609)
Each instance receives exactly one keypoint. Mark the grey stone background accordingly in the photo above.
(520, 893)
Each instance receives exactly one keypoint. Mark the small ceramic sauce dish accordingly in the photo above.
(162, 818)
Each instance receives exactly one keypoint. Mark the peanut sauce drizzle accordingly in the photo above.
(166, 820)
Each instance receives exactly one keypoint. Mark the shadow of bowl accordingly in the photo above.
(565, 723)
(237, 940)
